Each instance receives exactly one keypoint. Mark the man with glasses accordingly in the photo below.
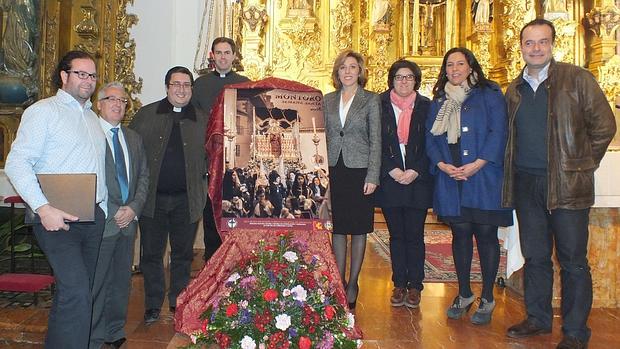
(206, 90)
(173, 132)
(61, 135)
(127, 178)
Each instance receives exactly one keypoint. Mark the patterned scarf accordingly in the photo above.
(405, 104)
(449, 116)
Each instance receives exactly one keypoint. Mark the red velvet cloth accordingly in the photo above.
(215, 135)
(208, 286)
(12, 282)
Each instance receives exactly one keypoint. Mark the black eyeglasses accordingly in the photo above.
(82, 74)
(177, 84)
(409, 77)
(114, 99)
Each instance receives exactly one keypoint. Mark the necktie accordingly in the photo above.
(119, 161)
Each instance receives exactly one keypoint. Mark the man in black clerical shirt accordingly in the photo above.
(173, 132)
(206, 90)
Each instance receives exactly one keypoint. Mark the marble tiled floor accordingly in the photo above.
(384, 327)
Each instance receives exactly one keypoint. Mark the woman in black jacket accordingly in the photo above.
(406, 190)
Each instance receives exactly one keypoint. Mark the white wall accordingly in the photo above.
(166, 35)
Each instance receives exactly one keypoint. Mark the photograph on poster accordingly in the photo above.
(275, 156)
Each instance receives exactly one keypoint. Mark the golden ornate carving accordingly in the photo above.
(255, 17)
(342, 25)
(564, 48)
(298, 48)
(88, 31)
(604, 21)
(380, 61)
(125, 56)
(513, 20)
(50, 52)
(609, 78)
(481, 40)
(364, 28)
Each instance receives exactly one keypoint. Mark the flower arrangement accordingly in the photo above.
(279, 297)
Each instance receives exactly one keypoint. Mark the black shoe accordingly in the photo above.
(117, 343)
(150, 316)
(526, 329)
(569, 342)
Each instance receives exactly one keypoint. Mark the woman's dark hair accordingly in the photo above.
(65, 64)
(273, 175)
(178, 69)
(442, 79)
(403, 63)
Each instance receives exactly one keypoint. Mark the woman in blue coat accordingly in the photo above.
(406, 190)
(465, 141)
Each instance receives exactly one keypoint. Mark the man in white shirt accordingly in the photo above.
(61, 134)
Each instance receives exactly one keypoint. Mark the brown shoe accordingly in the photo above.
(569, 342)
(398, 296)
(526, 329)
(413, 298)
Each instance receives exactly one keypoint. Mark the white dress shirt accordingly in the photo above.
(56, 135)
(107, 130)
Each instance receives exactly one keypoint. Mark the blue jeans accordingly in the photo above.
(73, 257)
(538, 229)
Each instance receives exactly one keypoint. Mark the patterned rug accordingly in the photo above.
(438, 265)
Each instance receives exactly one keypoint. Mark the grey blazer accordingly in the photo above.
(359, 141)
(138, 183)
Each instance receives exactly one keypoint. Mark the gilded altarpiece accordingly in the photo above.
(299, 39)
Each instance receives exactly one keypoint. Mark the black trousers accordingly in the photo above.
(73, 257)
(212, 239)
(539, 228)
(171, 220)
(406, 227)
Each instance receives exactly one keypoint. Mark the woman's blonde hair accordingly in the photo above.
(361, 79)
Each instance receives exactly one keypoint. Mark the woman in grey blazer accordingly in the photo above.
(353, 130)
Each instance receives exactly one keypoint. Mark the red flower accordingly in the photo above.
(270, 295)
(222, 339)
(304, 342)
(232, 310)
(329, 312)
(204, 325)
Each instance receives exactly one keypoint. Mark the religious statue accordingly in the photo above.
(380, 12)
(482, 11)
(554, 6)
(530, 14)
(18, 37)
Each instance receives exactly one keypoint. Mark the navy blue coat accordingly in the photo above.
(483, 135)
(419, 193)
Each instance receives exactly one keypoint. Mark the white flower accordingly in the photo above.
(193, 338)
(290, 256)
(359, 343)
(262, 346)
(299, 293)
(248, 343)
(283, 321)
(350, 320)
(250, 270)
(234, 277)
(286, 292)
(244, 304)
(322, 298)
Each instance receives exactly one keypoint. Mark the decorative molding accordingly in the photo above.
(609, 78)
(342, 26)
(513, 20)
(125, 57)
(50, 51)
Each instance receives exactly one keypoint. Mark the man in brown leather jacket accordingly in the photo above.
(560, 125)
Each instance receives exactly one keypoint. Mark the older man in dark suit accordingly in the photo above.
(127, 179)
